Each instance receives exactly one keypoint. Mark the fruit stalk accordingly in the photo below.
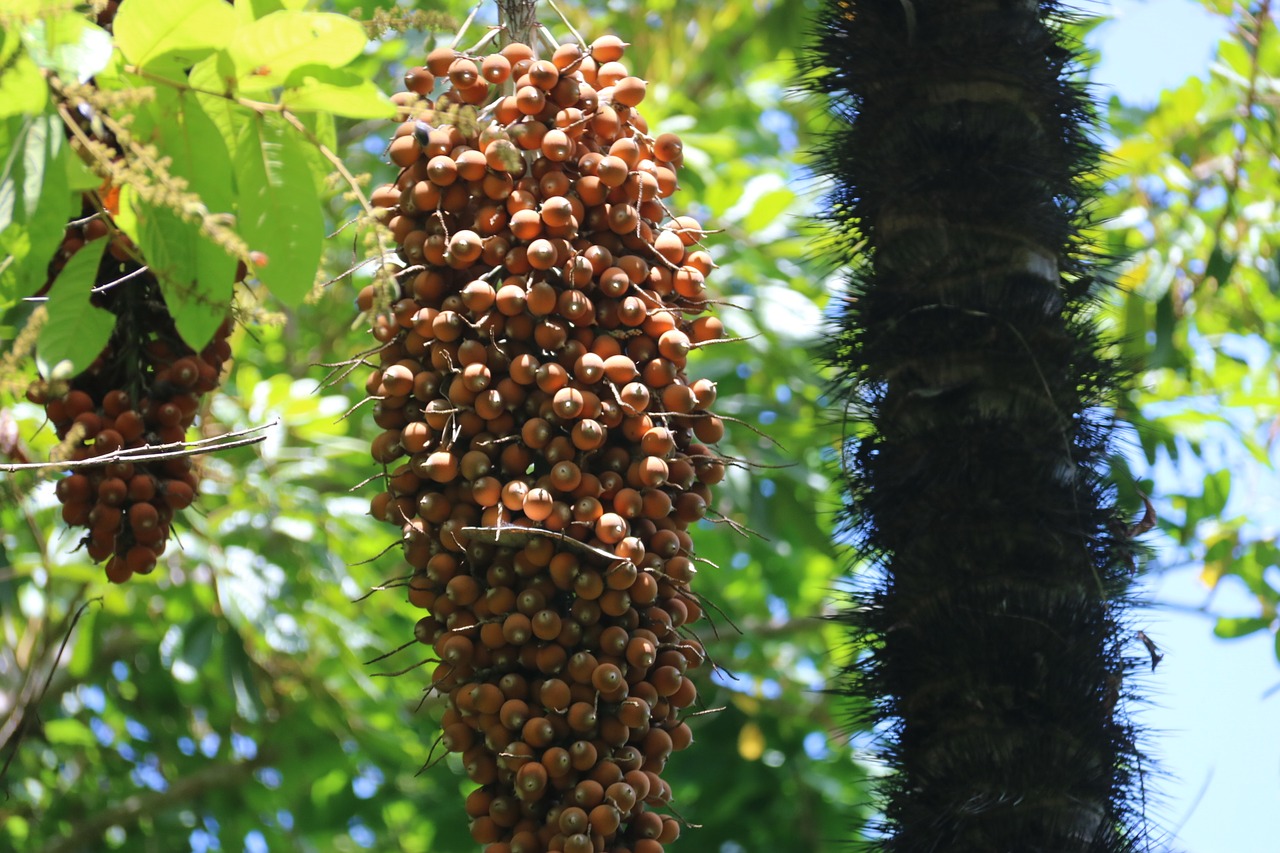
(518, 17)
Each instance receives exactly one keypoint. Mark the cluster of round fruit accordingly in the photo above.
(532, 370)
(142, 390)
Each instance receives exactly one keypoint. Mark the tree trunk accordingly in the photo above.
(518, 16)
(966, 350)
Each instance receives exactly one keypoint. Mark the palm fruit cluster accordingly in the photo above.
(546, 452)
(143, 389)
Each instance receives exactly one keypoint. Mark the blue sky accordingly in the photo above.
(1212, 727)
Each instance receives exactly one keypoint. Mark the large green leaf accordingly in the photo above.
(197, 640)
(69, 45)
(150, 31)
(213, 80)
(280, 213)
(34, 201)
(267, 51)
(1232, 627)
(343, 93)
(250, 10)
(195, 272)
(76, 330)
(1217, 488)
(239, 671)
(22, 87)
(323, 129)
(79, 176)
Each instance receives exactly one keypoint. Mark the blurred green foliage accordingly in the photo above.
(1192, 204)
(226, 702)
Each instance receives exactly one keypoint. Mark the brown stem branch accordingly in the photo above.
(152, 452)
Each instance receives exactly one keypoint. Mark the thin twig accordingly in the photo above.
(100, 288)
(739, 528)
(576, 34)
(390, 653)
(351, 410)
(151, 452)
(388, 585)
(736, 340)
(462, 30)
(701, 600)
(506, 532)
(406, 669)
(393, 544)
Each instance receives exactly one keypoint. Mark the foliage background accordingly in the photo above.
(224, 703)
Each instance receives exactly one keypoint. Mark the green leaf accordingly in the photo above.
(148, 31)
(1219, 266)
(195, 273)
(1217, 488)
(1164, 352)
(1229, 628)
(1135, 327)
(18, 829)
(21, 10)
(323, 129)
(76, 330)
(280, 212)
(70, 732)
(323, 789)
(320, 89)
(69, 45)
(267, 51)
(248, 11)
(239, 669)
(215, 73)
(35, 201)
(197, 640)
(127, 217)
(23, 90)
(80, 177)
(84, 652)
(768, 207)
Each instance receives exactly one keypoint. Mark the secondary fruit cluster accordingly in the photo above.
(546, 450)
(143, 389)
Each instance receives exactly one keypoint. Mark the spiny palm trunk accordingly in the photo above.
(966, 347)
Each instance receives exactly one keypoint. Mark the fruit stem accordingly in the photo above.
(518, 16)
